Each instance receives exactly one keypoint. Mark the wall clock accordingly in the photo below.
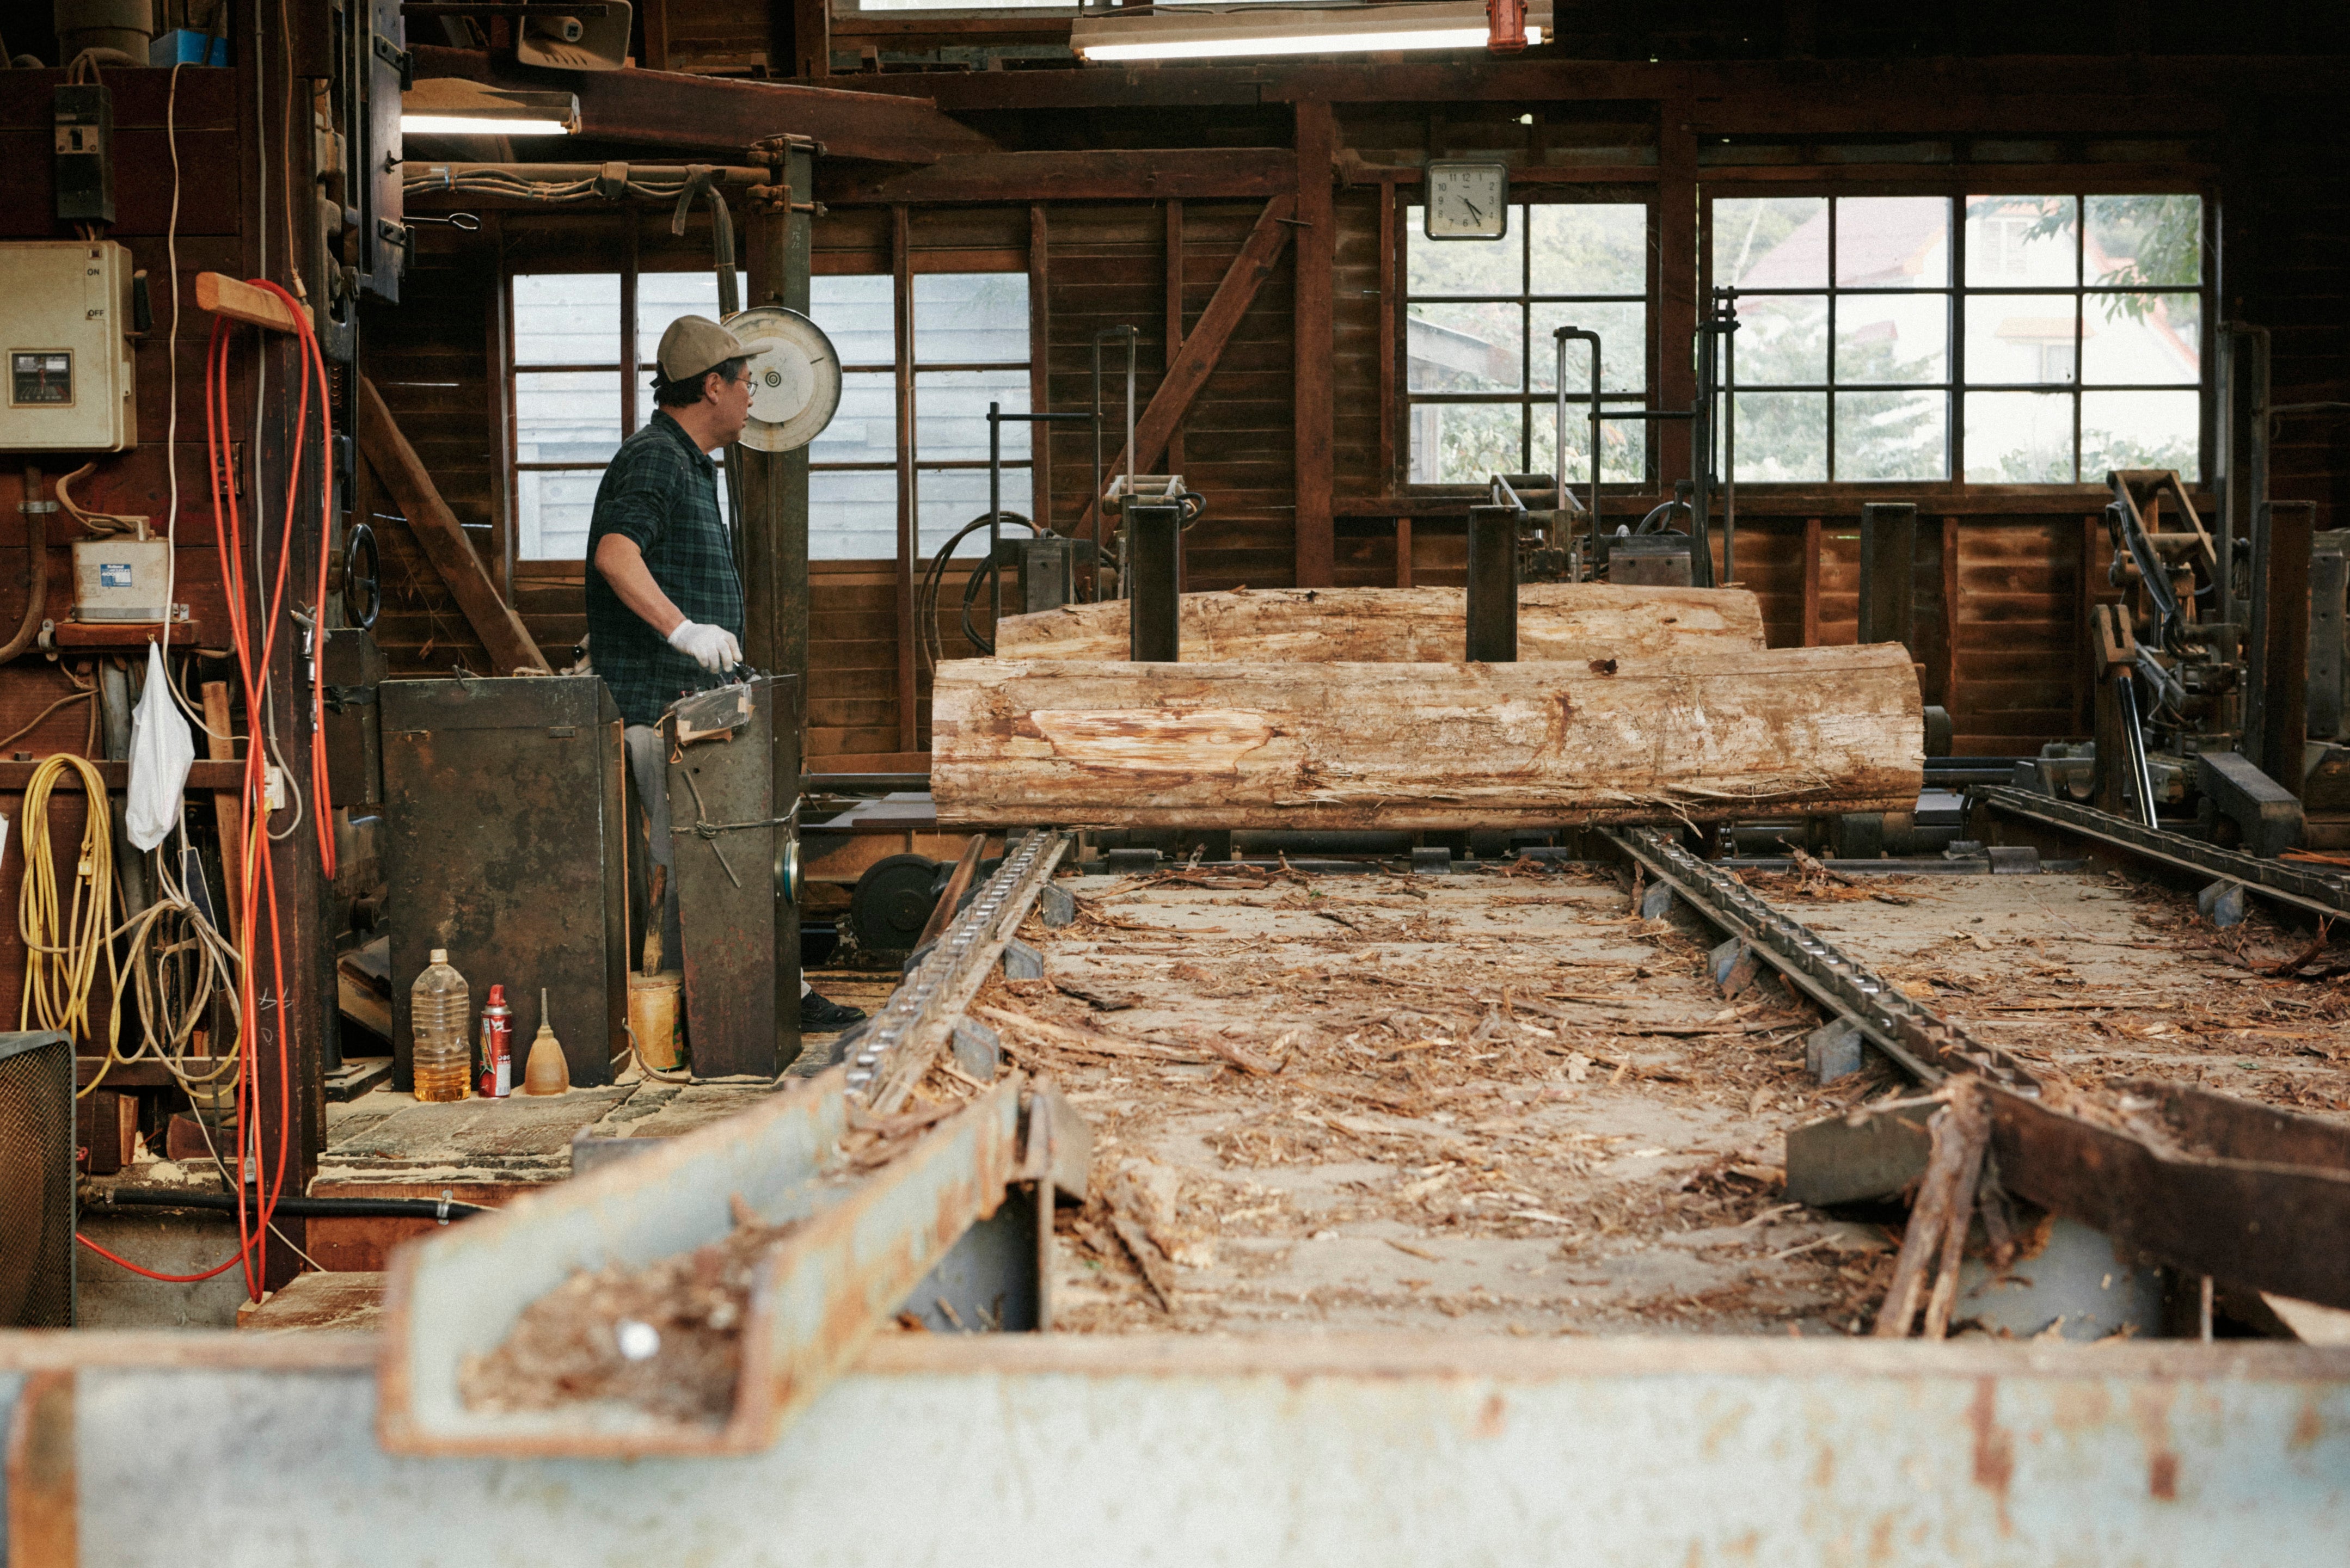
(1467, 201)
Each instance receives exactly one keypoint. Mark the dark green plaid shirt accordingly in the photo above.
(662, 491)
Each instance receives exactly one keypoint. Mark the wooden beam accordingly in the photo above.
(654, 13)
(442, 538)
(1678, 282)
(1390, 313)
(243, 302)
(228, 812)
(672, 110)
(1205, 344)
(1403, 552)
(1149, 174)
(1811, 582)
(1174, 332)
(1312, 330)
(811, 39)
(1040, 362)
(15, 777)
(1949, 560)
(910, 532)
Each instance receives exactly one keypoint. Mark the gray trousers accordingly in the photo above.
(649, 772)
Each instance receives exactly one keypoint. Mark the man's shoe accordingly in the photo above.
(820, 1016)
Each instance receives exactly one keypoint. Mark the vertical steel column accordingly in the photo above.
(1493, 614)
(1154, 561)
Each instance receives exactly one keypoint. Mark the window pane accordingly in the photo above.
(947, 499)
(1461, 266)
(2135, 241)
(1783, 340)
(951, 413)
(2141, 430)
(864, 429)
(553, 511)
(1782, 436)
(1587, 249)
(567, 318)
(2018, 438)
(1464, 347)
(853, 516)
(1465, 443)
(1623, 448)
(2021, 241)
(969, 317)
(1623, 329)
(855, 312)
(663, 296)
(1891, 337)
(1771, 242)
(2142, 337)
(2024, 338)
(1889, 435)
(567, 416)
(1893, 242)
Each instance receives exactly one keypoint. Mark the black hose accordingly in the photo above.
(926, 603)
(442, 1208)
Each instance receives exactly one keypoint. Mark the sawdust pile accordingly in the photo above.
(571, 1344)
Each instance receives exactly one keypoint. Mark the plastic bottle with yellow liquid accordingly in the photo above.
(440, 1011)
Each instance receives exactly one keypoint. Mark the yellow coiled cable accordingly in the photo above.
(63, 940)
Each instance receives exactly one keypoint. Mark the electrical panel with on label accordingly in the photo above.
(65, 319)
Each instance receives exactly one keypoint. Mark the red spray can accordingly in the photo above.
(497, 1045)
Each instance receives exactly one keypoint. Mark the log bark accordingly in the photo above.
(1423, 626)
(1424, 745)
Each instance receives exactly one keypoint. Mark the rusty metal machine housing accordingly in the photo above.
(504, 826)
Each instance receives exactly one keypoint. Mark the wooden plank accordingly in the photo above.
(1297, 745)
(909, 522)
(654, 15)
(2084, 669)
(442, 538)
(1205, 346)
(1173, 341)
(811, 39)
(1390, 409)
(228, 812)
(1948, 686)
(243, 302)
(672, 110)
(1206, 173)
(1403, 552)
(1040, 342)
(1311, 329)
(16, 777)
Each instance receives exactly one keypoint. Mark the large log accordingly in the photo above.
(1354, 745)
(1410, 626)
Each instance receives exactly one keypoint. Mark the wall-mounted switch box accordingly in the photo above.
(65, 312)
(83, 119)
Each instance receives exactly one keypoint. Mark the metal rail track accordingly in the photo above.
(1926, 1045)
(2319, 892)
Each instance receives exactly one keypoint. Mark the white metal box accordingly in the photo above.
(120, 578)
(64, 311)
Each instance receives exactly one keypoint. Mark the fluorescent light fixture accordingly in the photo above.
(1267, 32)
(453, 106)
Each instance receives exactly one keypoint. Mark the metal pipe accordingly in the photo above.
(1133, 336)
(442, 1208)
(1562, 336)
(1729, 433)
(2141, 776)
(995, 522)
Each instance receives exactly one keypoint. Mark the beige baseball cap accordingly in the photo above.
(694, 344)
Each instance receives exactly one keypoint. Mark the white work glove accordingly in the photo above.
(711, 647)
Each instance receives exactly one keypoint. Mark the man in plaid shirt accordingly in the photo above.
(664, 604)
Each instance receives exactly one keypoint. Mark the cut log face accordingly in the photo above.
(1392, 746)
(1407, 626)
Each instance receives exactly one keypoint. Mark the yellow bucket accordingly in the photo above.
(654, 1018)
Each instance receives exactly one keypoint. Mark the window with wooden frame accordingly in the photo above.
(581, 356)
(1481, 360)
(2003, 340)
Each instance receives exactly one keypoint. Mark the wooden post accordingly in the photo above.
(1391, 312)
(1676, 285)
(497, 333)
(812, 38)
(1174, 322)
(1040, 363)
(1811, 582)
(901, 268)
(1312, 330)
(1949, 687)
(228, 812)
(1403, 552)
(2087, 670)
(775, 484)
(655, 14)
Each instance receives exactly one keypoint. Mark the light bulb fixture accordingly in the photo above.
(453, 106)
(1273, 31)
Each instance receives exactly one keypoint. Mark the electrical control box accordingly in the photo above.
(65, 317)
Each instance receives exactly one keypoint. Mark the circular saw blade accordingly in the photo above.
(795, 378)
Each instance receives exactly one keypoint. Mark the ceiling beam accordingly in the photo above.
(1159, 174)
(692, 113)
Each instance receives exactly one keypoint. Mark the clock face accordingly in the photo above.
(1468, 201)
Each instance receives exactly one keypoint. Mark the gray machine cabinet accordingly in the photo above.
(504, 826)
